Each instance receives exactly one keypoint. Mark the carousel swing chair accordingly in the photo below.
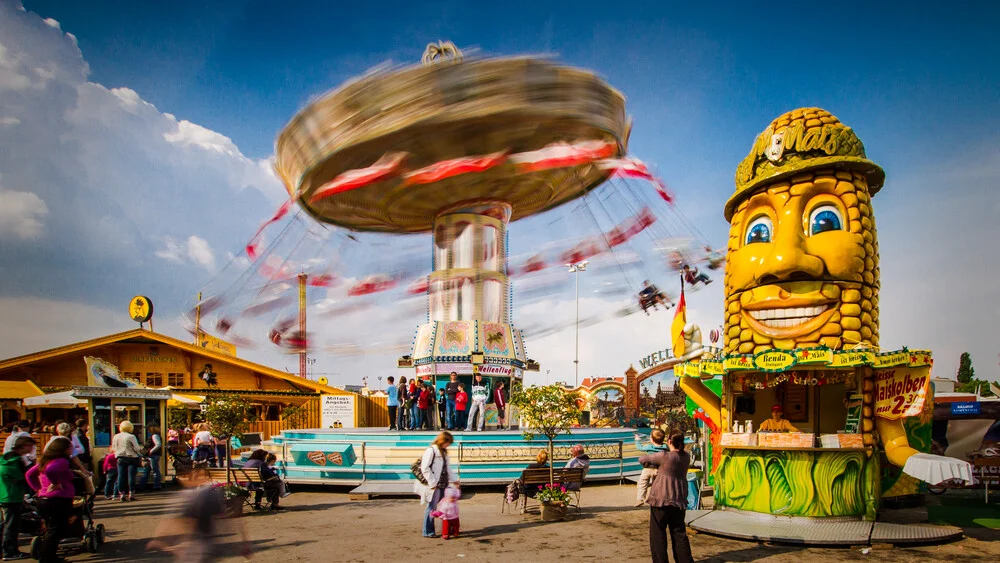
(651, 296)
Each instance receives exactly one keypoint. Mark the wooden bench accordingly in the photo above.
(531, 479)
(248, 478)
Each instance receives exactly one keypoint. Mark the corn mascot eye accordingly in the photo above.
(825, 218)
(759, 230)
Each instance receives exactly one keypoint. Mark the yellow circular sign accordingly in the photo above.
(140, 309)
(323, 381)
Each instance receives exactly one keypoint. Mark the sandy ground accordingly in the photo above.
(323, 525)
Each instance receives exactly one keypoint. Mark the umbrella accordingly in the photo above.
(62, 399)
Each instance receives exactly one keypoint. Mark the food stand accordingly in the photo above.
(830, 466)
(801, 332)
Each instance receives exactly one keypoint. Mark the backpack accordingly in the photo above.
(418, 472)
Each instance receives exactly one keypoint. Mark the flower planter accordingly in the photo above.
(234, 507)
(553, 511)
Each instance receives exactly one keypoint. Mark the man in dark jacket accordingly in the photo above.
(667, 502)
(12, 489)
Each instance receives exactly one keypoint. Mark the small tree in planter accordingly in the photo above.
(549, 411)
(229, 415)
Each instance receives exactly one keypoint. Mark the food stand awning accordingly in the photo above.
(63, 399)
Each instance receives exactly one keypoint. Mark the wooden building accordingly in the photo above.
(158, 361)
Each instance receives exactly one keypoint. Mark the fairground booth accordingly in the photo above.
(814, 419)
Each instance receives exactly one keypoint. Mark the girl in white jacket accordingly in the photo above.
(437, 470)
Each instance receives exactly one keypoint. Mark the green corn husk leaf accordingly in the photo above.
(871, 486)
(845, 467)
(798, 468)
(781, 492)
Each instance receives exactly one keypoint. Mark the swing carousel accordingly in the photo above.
(405, 185)
(446, 156)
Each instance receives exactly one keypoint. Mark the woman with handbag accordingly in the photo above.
(435, 476)
(126, 450)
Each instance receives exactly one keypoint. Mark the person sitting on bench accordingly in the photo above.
(579, 460)
(272, 483)
(541, 462)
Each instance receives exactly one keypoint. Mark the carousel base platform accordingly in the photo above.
(372, 457)
(815, 531)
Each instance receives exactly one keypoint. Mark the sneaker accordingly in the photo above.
(20, 555)
(639, 503)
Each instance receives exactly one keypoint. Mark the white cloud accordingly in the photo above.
(200, 252)
(9, 121)
(21, 214)
(196, 250)
(189, 134)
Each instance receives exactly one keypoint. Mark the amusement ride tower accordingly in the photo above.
(459, 148)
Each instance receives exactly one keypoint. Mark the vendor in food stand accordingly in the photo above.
(777, 423)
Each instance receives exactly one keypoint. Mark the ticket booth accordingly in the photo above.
(110, 406)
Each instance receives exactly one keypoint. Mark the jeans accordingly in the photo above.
(450, 418)
(660, 519)
(426, 418)
(127, 468)
(111, 483)
(154, 466)
(480, 408)
(461, 418)
(414, 416)
(55, 512)
(393, 412)
(11, 527)
(401, 418)
(431, 506)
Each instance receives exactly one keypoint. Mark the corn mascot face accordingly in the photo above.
(802, 262)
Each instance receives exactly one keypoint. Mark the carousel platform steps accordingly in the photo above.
(382, 488)
(815, 531)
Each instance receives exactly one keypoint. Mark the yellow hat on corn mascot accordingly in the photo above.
(802, 261)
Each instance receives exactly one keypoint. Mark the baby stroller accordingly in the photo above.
(81, 523)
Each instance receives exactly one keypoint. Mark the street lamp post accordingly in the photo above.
(576, 269)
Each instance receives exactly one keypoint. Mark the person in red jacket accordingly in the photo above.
(461, 406)
(424, 401)
(500, 399)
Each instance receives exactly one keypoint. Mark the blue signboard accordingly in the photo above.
(965, 408)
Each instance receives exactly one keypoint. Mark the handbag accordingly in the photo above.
(418, 472)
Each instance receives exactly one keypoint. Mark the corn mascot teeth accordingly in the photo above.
(802, 266)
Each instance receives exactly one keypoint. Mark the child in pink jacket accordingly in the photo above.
(447, 511)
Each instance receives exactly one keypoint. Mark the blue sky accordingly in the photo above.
(918, 82)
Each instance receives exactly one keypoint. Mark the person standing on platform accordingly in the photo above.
(668, 502)
(442, 406)
(450, 391)
(413, 397)
(401, 400)
(392, 401)
(480, 394)
(424, 402)
(500, 399)
(461, 407)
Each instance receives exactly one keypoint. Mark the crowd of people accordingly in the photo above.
(414, 404)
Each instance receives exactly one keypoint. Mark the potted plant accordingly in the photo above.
(235, 497)
(554, 500)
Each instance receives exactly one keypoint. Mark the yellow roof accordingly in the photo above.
(19, 390)
(146, 335)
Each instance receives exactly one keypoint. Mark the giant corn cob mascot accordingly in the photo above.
(802, 263)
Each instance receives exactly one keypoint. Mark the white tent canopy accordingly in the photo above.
(63, 399)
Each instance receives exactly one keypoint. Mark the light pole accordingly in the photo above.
(576, 269)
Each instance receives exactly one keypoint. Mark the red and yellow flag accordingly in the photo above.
(677, 327)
